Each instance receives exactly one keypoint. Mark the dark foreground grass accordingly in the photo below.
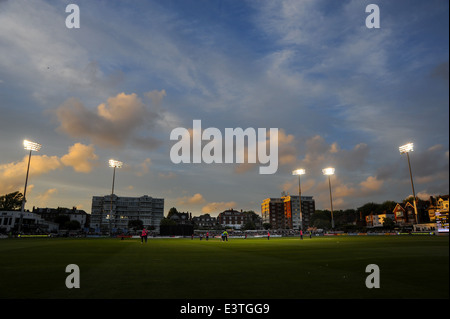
(286, 268)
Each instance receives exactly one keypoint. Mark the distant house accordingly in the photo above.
(74, 214)
(181, 224)
(31, 222)
(441, 212)
(442, 203)
(404, 214)
(181, 218)
(204, 221)
(232, 218)
(377, 220)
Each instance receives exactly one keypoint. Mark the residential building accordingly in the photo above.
(441, 214)
(232, 218)
(204, 221)
(31, 222)
(442, 203)
(284, 212)
(74, 214)
(439, 204)
(404, 214)
(377, 220)
(181, 218)
(292, 210)
(114, 212)
(272, 211)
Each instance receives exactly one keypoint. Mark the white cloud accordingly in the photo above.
(218, 207)
(144, 167)
(44, 197)
(80, 157)
(193, 200)
(113, 124)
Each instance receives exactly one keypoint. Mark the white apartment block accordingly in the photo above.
(116, 213)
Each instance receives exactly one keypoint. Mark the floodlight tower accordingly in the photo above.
(114, 164)
(299, 172)
(29, 146)
(406, 149)
(330, 171)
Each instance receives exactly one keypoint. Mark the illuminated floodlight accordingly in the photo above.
(406, 148)
(31, 146)
(114, 163)
(299, 171)
(328, 171)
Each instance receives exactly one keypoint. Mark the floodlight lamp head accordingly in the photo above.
(31, 146)
(328, 171)
(114, 163)
(299, 171)
(406, 148)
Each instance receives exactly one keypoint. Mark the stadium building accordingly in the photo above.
(113, 213)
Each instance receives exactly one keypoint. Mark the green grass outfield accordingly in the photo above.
(286, 268)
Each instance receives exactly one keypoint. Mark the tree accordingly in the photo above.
(388, 223)
(249, 225)
(167, 222)
(63, 221)
(344, 217)
(253, 219)
(420, 202)
(388, 206)
(11, 201)
(368, 208)
(322, 224)
(72, 225)
(320, 215)
(350, 216)
(135, 224)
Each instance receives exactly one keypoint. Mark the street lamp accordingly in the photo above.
(114, 164)
(29, 146)
(299, 172)
(406, 149)
(330, 171)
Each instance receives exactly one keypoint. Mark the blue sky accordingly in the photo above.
(340, 94)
